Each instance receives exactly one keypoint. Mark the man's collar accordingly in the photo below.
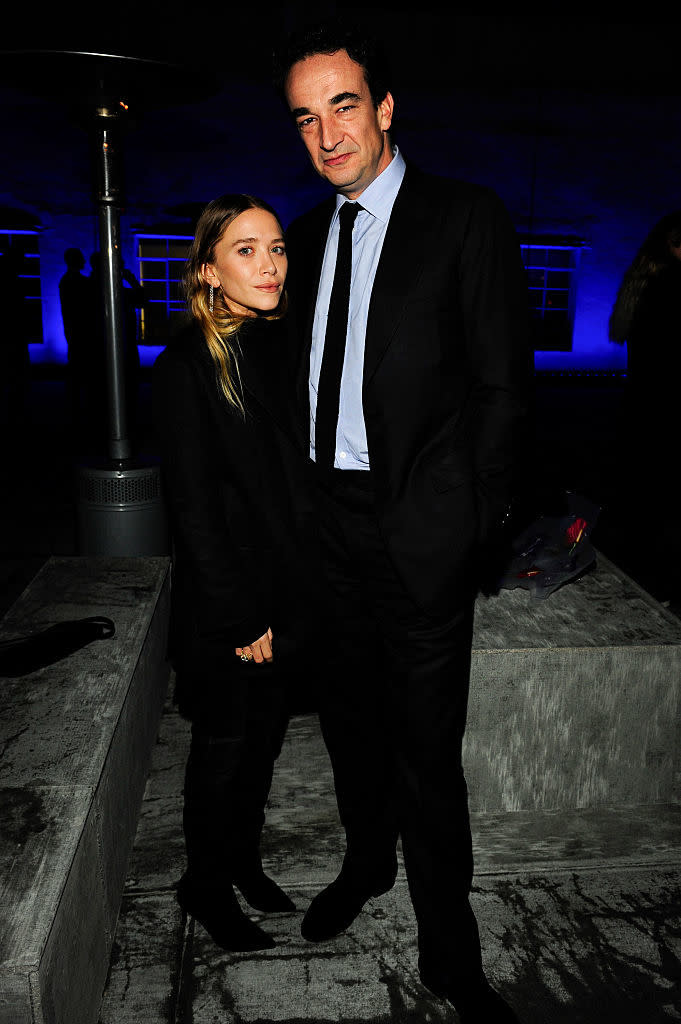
(378, 197)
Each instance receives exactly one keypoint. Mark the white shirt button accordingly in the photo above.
(342, 455)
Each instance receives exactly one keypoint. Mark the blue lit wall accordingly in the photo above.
(592, 166)
(596, 167)
(59, 232)
(596, 287)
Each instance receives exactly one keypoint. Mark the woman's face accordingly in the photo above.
(250, 263)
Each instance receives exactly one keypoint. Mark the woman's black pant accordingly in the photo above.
(229, 773)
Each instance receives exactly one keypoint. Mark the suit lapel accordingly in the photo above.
(401, 251)
(401, 255)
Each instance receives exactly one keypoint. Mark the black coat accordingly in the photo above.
(230, 486)
(446, 370)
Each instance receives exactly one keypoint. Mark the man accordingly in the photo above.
(77, 310)
(409, 300)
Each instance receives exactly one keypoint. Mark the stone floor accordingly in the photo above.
(580, 914)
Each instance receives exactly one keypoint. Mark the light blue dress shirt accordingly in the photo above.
(367, 241)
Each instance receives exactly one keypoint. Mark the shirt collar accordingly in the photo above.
(378, 197)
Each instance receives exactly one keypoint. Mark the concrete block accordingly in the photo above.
(574, 701)
(73, 963)
(53, 908)
(119, 794)
(75, 744)
(15, 999)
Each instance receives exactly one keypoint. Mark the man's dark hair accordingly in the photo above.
(329, 37)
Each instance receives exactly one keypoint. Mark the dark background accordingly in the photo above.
(573, 117)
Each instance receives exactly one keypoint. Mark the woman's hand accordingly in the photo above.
(259, 651)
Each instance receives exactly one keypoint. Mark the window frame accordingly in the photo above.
(551, 244)
(8, 234)
(148, 335)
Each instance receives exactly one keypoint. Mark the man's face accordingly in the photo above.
(343, 132)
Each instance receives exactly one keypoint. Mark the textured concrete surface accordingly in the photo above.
(75, 743)
(595, 947)
(574, 700)
(580, 913)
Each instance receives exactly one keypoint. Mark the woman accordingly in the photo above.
(655, 267)
(232, 523)
(647, 316)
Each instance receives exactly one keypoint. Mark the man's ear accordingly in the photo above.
(209, 275)
(385, 112)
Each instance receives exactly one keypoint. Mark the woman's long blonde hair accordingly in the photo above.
(220, 327)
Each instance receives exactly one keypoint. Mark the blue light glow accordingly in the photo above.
(591, 349)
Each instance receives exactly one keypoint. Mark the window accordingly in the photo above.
(22, 248)
(161, 262)
(551, 279)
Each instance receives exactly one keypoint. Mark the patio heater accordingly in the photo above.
(119, 506)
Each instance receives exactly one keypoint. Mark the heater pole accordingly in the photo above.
(109, 201)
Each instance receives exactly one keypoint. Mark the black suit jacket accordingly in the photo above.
(229, 484)
(445, 374)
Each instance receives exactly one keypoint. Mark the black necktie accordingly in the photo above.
(328, 389)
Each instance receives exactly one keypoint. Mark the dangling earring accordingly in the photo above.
(210, 297)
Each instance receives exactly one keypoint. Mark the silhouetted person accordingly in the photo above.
(78, 310)
(647, 316)
(15, 364)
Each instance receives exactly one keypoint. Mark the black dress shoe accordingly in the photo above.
(336, 907)
(219, 912)
(263, 893)
(476, 1004)
(486, 1006)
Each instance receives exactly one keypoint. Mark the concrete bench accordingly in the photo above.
(75, 745)
(575, 700)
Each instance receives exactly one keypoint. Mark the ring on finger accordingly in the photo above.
(246, 657)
